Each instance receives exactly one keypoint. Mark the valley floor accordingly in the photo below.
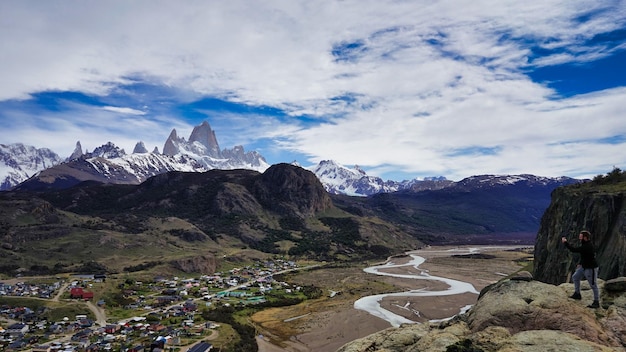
(326, 324)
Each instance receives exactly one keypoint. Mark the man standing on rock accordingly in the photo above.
(588, 267)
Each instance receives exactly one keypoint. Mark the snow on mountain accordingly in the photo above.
(107, 151)
(203, 147)
(491, 181)
(110, 164)
(18, 162)
(339, 179)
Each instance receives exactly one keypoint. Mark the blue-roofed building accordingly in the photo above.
(201, 347)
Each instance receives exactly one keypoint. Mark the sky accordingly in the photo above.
(402, 88)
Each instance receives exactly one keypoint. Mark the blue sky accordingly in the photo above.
(404, 89)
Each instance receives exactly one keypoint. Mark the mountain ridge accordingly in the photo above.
(111, 164)
(18, 162)
(283, 211)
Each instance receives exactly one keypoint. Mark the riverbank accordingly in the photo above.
(328, 323)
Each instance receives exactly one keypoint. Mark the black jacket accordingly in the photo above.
(587, 254)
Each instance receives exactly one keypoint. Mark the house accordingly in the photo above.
(85, 323)
(138, 348)
(17, 329)
(55, 328)
(201, 347)
(17, 345)
(41, 348)
(190, 306)
(157, 327)
(79, 292)
(112, 328)
(76, 292)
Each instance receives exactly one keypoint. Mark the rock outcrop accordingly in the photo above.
(518, 314)
(598, 208)
(292, 190)
(205, 264)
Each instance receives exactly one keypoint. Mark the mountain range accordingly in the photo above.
(26, 167)
(198, 197)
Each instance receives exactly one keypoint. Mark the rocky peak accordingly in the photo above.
(18, 162)
(140, 148)
(339, 179)
(171, 144)
(292, 189)
(77, 153)
(359, 170)
(204, 135)
(238, 154)
(108, 151)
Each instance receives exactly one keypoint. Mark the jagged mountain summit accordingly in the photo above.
(140, 148)
(203, 147)
(338, 179)
(111, 164)
(18, 162)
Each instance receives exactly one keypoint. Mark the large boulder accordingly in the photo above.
(522, 306)
(616, 285)
(514, 316)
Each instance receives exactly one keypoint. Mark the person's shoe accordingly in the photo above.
(576, 295)
(595, 304)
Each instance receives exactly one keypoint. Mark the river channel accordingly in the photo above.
(372, 304)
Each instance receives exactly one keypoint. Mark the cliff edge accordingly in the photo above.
(597, 206)
(522, 314)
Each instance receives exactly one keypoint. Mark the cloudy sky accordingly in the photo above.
(404, 89)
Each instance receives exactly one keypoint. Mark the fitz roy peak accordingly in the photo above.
(201, 142)
(204, 148)
(110, 164)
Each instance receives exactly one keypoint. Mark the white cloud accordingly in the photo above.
(432, 78)
(121, 110)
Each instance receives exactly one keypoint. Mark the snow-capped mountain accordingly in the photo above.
(203, 147)
(338, 179)
(110, 164)
(18, 162)
(494, 181)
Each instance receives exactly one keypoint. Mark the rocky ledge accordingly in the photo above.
(517, 314)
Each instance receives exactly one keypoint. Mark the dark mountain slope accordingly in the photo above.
(283, 211)
(482, 209)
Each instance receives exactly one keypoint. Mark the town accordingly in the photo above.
(151, 315)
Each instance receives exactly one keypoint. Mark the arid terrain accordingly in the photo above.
(325, 324)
